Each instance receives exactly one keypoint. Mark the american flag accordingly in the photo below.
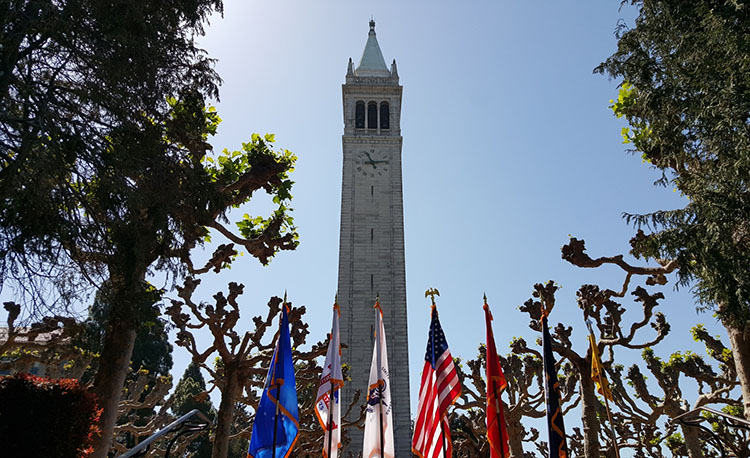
(439, 389)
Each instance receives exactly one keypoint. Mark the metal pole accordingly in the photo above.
(432, 346)
(611, 424)
(274, 382)
(380, 368)
(498, 406)
(330, 416)
(594, 353)
(166, 430)
(276, 416)
(491, 384)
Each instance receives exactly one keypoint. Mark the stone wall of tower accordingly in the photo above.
(371, 255)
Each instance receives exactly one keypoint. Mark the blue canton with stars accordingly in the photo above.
(437, 338)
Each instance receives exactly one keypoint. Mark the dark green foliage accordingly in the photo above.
(44, 417)
(104, 166)
(686, 97)
(152, 351)
(83, 161)
(191, 394)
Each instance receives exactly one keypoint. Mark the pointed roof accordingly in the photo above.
(372, 62)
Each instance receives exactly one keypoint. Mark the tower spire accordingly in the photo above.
(372, 62)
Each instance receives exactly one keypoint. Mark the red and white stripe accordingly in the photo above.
(438, 390)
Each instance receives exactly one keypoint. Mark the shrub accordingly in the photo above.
(46, 417)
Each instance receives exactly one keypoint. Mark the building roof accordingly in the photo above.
(372, 62)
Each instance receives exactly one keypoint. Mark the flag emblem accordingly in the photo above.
(328, 405)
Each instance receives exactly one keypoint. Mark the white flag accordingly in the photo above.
(331, 382)
(378, 441)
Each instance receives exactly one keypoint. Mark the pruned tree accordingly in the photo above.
(47, 343)
(242, 362)
(637, 421)
(525, 393)
(607, 315)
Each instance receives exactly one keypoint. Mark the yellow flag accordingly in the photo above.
(597, 371)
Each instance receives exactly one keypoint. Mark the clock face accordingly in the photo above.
(371, 163)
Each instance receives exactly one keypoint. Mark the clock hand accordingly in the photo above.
(368, 156)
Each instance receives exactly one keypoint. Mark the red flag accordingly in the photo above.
(439, 389)
(497, 432)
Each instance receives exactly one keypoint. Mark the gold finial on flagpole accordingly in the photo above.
(432, 292)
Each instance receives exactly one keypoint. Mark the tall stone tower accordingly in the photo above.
(371, 251)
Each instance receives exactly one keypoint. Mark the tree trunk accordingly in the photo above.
(692, 441)
(515, 436)
(225, 416)
(739, 339)
(589, 404)
(114, 363)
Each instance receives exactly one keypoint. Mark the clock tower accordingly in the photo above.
(371, 250)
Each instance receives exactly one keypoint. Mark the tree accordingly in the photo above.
(104, 161)
(47, 343)
(639, 412)
(241, 362)
(685, 97)
(525, 394)
(53, 344)
(152, 351)
(190, 394)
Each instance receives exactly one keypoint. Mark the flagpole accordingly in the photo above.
(330, 417)
(277, 384)
(276, 417)
(380, 368)
(431, 292)
(606, 400)
(330, 394)
(499, 426)
(498, 405)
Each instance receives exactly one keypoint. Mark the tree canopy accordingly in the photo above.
(106, 173)
(685, 94)
(686, 97)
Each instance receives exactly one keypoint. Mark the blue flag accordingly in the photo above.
(277, 418)
(558, 448)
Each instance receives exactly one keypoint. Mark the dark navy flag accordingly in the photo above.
(277, 409)
(558, 448)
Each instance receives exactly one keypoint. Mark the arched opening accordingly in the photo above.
(359, 115)
(372, 115)
(385, 116)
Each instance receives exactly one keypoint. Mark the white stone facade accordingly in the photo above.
(371, 251)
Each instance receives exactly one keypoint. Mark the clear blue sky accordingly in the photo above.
(509, 147)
